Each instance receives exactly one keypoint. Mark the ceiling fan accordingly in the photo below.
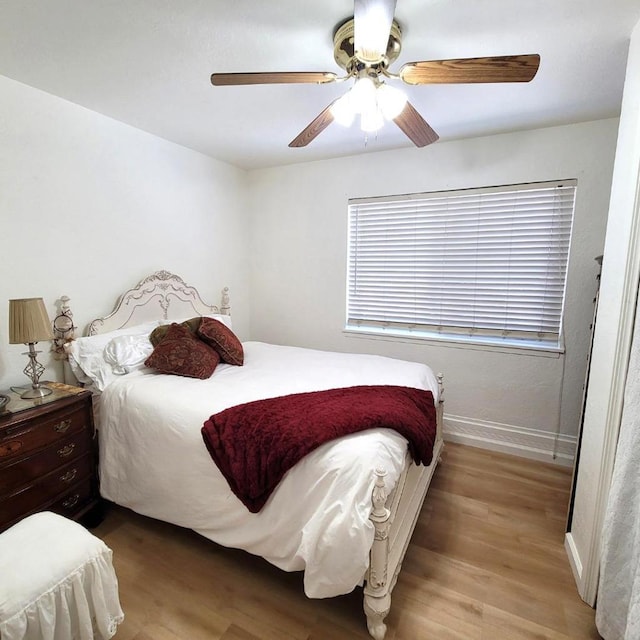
(365, 46)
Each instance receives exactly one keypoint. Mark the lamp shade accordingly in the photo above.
(28, 321)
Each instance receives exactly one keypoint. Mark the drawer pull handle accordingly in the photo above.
(71, 502)
(69, 476)
(67, 450)
(62, 427)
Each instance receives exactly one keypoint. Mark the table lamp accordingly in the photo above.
(29, 324)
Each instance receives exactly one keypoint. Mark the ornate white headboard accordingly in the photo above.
(160, 296)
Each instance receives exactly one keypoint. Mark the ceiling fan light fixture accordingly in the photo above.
(391, 101)
(374, 33)
(342, 110)
(360, 99)
(374, 103)
(363, 95)
(373, 21)
(371, 120)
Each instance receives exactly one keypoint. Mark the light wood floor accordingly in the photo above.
(486, 563)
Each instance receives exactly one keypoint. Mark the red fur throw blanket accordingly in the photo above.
(256, 443)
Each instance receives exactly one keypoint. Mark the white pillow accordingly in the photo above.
(86, 355)
(226, 320)
(127, 353)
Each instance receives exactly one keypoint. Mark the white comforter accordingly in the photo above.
(154, 461)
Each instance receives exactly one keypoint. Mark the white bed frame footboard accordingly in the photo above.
(394, 516)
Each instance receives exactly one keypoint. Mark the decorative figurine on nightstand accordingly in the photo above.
(30, 324)
(63, 329)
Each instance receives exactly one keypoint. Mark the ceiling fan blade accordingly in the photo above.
(415, 127)
(284, 77)
(314, 128)
(372, 21)
(462, 70)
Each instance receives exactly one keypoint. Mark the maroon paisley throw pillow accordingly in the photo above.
(160, 332)
(222, 339)
(182, 354)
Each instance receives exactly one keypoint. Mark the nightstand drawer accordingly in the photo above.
(74, 500)
(51, 488)
(24, 470)
(25, 437)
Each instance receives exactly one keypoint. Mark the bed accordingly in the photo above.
(362, 492)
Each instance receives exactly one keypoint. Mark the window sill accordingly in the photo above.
(478, 343)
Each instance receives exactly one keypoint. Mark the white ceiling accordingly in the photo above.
(148, 62)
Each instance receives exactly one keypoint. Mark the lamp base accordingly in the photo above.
(36, 392)
(33, 371)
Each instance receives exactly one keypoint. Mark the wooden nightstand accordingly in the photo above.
(48, 456)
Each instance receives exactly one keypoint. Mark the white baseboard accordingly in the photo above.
(529, 443)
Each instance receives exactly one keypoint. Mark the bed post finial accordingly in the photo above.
(440, 377)
(225, 305)
(377, 600)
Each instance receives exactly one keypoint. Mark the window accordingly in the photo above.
(480, 265)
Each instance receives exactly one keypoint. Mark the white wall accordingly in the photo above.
(89, 206)
(99, 205)
(612, 339)
(298, 219)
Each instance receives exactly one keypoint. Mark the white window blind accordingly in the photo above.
(487, 263)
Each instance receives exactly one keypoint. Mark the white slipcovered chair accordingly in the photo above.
(57, 582)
